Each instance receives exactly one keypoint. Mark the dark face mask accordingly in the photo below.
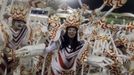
(18, 24)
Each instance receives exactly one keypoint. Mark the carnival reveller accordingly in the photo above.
(68, 50)
(20, 31)
(66, 46)
(19, 35)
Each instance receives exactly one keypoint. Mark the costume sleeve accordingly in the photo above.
(34, 50)
(31, 50)
(55, 43)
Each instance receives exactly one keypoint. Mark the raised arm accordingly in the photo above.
(40, 49)
(31, 50)
(34, 50)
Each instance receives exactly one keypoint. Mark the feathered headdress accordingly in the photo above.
(54, 21)
(73, 20)
(19, 10)
(118, 3)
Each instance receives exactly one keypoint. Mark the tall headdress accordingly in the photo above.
(19, 10)
(73, 20)
(117, 3)
(54, 21)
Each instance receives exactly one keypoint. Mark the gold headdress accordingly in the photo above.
(73, 20)
(118, 3)
(19, 10)
(54, 20)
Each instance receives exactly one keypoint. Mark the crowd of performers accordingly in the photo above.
(83, 44)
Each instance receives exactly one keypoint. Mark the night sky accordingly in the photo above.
(128, 7)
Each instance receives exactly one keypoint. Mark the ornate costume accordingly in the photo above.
(19, 37)
(19, 12)
(66, 48)
(64, 61)
(66, 53)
